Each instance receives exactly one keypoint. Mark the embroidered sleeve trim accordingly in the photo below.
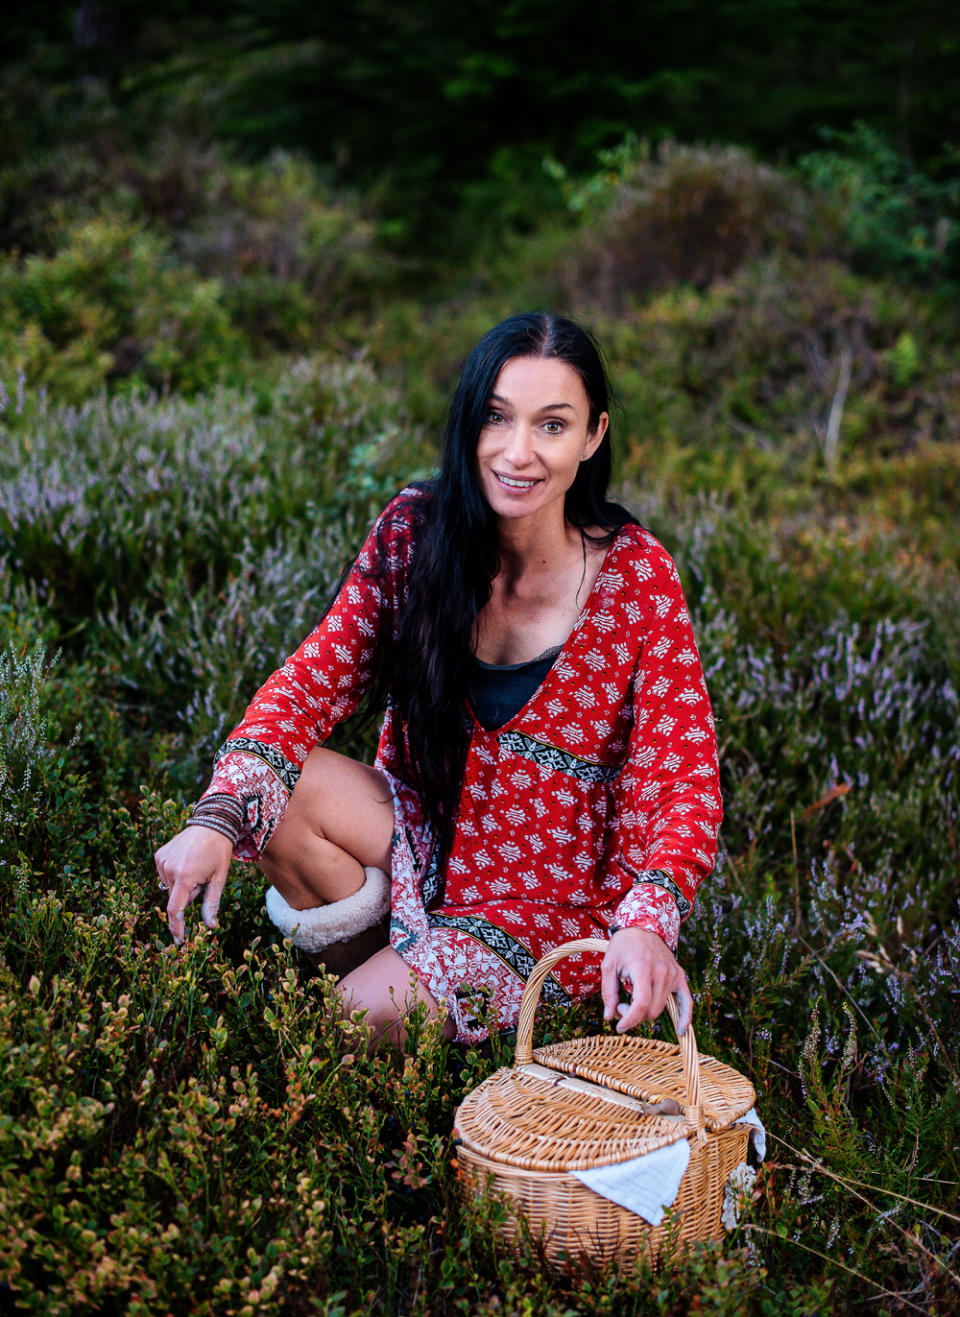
(660, 878)
(287, 772)
(649, 906)
(559, 761)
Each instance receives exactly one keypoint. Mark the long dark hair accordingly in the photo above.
(422, 668)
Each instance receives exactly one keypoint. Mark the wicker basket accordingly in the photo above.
(595, 1102)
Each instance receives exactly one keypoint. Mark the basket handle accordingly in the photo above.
(531, 998)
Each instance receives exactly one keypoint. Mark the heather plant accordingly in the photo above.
(194, 662)
(44, 802)
(202, 1121)
(103, 502)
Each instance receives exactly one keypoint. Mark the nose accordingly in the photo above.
(518, 450)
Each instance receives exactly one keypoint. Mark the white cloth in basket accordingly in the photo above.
(648, 1185)
(645, 1185)
(758, 1135)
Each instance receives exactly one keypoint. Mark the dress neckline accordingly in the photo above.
(548, 654)
(550, 676)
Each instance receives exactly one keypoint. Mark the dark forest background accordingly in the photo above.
(433, 97)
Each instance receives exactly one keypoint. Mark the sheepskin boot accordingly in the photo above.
(342, 935)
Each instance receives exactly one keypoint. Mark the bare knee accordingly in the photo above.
(284, 851)
(388, 993)
(338, 805)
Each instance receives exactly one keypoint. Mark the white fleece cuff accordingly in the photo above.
(316, 928)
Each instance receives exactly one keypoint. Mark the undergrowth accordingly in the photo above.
(196, 1128)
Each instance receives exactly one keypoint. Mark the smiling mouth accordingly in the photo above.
(511, 482)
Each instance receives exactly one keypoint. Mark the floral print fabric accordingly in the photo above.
(595, 807)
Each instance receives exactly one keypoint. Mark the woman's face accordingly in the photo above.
(534, 437)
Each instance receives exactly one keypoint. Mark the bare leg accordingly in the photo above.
(384, 987)
(339, 820)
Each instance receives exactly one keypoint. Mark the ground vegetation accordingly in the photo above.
(215, 366)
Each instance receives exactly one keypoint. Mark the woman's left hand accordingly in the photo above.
(646, 964)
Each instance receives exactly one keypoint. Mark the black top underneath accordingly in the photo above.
(498, 691)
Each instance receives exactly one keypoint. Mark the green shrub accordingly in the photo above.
(680, 214)
(109, 303)
(176, 267)
(738, 387)
(896, 218)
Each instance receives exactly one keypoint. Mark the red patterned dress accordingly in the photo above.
(595, 807)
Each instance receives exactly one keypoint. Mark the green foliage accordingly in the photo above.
(202, 1120)
(111, 302)
(897, 218)
(175, 268)
(680, 214)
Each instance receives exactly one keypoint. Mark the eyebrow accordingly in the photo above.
(550, 407)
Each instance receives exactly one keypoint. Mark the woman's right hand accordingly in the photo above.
(196, 858)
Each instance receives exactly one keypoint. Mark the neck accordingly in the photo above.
(526, 548)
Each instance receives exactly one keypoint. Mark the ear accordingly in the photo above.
(594, 440)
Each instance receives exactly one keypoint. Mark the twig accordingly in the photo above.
(796, 878)
(831, 441)
(749, 432)
(733, 869)
(890, 1294)
(876, 1188)
(785, 1068)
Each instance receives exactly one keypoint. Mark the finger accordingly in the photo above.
(661, 983)
(685, 1002)
(609, 987)
(180, 897)
(639, 1008)
(211, 900)
(175, 921)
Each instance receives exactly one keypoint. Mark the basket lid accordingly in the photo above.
(592, 1102)
(597, 1101)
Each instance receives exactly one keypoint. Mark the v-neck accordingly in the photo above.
(550, 677)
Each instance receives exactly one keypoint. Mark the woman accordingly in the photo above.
(547, 766)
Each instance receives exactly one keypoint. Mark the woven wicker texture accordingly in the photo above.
(576, 1105)
(571, 1219)
(651, 1071)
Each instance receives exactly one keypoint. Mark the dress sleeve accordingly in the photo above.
(319, 686)
(668, 795)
